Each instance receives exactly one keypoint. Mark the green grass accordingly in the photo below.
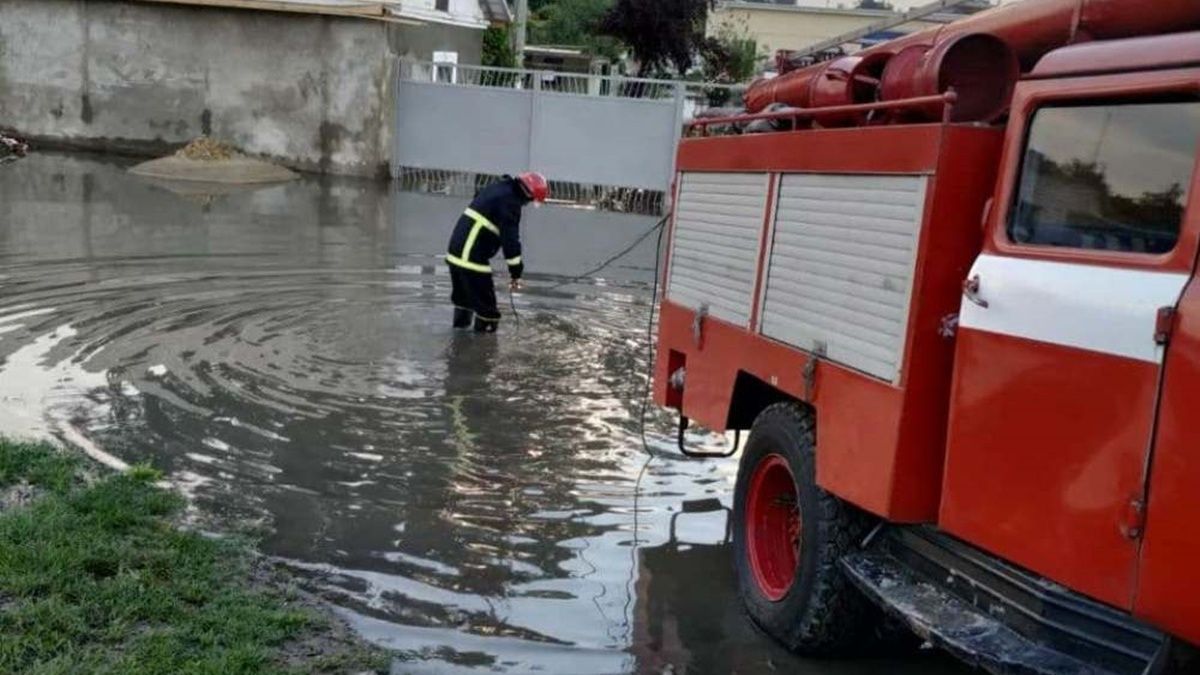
(94, 578)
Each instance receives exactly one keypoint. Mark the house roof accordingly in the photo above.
(494, 11)
(360, 8)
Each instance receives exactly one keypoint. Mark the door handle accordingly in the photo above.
(971, 291)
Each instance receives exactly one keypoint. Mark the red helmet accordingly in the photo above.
(535, 185)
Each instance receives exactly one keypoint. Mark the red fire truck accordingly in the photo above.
(950, 291)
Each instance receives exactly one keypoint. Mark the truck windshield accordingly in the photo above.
(1111, 177)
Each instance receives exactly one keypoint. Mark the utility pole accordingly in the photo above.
(520, 26)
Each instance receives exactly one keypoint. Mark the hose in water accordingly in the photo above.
(658, 226)
(650, 345)
(618, 255)
(512, 302)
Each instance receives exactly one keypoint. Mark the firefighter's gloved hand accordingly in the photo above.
(516, 268)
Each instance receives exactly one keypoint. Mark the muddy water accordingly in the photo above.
(284, 355)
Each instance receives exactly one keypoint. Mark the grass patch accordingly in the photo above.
(95, 578)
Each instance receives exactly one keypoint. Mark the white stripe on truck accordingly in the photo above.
(1109, 310)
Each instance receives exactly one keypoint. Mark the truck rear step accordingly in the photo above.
(993, 615)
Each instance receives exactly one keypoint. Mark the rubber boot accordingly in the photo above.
(462, 317)
(485, 326)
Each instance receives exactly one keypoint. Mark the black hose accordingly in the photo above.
(651, 455)
(512, 302)
(658, 226)
(650, 341)
(607, 261)
(618, 255)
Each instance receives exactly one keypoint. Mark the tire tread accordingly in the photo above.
(836, 617)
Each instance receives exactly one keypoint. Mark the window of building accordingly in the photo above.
(442, 5)
(444, 67)
(1111, 176)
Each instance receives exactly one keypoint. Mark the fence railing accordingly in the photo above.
(543, 80)
(698, 95)
(601, 197)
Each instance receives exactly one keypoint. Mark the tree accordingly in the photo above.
(497, 48)
(572, 23)
(730, 56)
(1081, 189)
(659, 33)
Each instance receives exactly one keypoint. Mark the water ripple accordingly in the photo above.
(285, 357)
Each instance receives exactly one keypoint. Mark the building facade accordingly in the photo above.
(791, 27)
(446, 31)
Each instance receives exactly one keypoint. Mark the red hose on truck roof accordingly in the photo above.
(981, 56)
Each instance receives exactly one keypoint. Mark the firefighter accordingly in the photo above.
(490, 223)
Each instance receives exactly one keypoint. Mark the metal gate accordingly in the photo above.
(585, 129)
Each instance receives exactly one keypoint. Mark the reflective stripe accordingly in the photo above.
(467, 264)
(481, 222)
(481, 219)
(466, 252)
(514, 261)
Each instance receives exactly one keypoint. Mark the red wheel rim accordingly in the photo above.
(773, 527)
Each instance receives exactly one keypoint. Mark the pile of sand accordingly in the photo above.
(206, 160)
(205, 149)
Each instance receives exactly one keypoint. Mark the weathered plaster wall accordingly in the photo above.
(313, 92)
(420, 42)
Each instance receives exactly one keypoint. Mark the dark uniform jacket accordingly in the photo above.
(492, 222)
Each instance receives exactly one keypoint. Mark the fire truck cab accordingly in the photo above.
(959, 319)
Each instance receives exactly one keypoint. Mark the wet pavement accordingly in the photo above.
(285, 356)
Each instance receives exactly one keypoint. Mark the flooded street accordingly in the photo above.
(285, 356)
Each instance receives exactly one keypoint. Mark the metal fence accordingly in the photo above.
(603, 197)
(595, 135)
(697, 95)
(544, 80)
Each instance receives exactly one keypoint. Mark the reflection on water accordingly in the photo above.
(285, 355)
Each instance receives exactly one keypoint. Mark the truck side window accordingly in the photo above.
(1111, 177)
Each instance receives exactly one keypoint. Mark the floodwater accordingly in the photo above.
(285, 356)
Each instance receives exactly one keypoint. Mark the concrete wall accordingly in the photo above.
(313, 92)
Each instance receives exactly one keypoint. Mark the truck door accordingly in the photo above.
(1057, 371)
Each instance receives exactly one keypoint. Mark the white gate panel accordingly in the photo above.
(841, 267)
(574, 128)
(605, 140)
(457, 128)
(714, 252)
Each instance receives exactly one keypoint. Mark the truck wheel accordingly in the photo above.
(788, 535)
